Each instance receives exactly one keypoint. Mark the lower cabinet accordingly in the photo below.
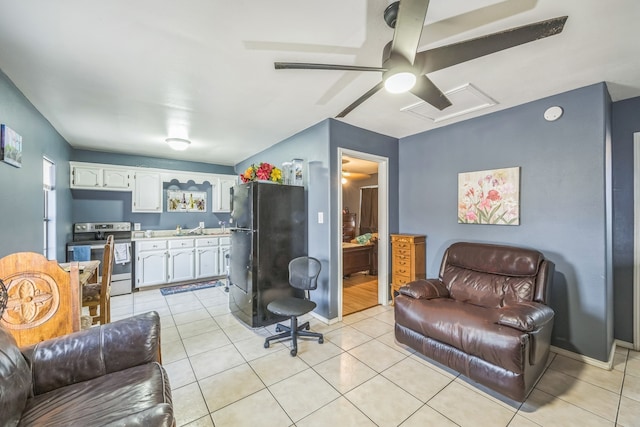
(159, 262)
(151, 263)
(207, 257)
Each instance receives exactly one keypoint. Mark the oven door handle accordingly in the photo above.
(93, 247)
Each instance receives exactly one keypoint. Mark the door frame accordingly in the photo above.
(383, 223)
(636, 241)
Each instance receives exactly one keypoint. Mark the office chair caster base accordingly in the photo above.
(294, 352)
(320, 340)
(266, 344)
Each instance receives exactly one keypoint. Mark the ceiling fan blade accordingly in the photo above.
(409, 24)
(360, 100)
(426, 90)
(310, 66)
(446, 56)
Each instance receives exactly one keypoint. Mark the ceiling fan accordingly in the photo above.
(404, 69)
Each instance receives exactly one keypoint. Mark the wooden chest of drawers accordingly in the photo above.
(408, 259)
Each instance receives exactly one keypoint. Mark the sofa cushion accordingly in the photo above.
(15, 380)
(469, 328)
(119, 398)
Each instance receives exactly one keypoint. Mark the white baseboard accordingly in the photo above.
(608, 365)
(324, 319)
(625, 344)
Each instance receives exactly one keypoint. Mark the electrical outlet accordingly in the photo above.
(320, 217)
(201, 224)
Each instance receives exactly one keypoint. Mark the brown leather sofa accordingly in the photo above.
(106, 375)
(485, 316)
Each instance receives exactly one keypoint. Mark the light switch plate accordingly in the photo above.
(201, 224)
(136, 226)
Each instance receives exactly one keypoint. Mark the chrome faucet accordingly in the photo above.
(195, 230)
(222, 224)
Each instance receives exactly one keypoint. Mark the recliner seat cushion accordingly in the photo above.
(469, 328)
(135, 395)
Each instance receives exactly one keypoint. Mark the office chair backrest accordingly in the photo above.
(304, 272)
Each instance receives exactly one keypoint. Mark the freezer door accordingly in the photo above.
(242, 206)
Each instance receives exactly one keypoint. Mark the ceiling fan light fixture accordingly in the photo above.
(399, 81)
(178, 144)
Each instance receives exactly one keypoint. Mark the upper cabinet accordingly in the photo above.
(146, 184)
(100, 177)
(221, 193)
(147, 192)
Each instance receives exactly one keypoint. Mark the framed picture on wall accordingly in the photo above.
(186, 201)
(489, 197)
(10, 146)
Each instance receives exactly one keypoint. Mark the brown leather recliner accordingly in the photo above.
(485, 316)
(106, 375)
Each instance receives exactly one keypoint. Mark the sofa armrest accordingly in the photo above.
(94, 352)
(425, 289)
(526, 316)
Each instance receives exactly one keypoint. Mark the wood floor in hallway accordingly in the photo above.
(359, 292)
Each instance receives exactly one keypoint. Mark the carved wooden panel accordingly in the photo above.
(43, 299)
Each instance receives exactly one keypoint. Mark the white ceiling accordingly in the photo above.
(121, 76)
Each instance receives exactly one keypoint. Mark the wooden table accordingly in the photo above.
(88, 272)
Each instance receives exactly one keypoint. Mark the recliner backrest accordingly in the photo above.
(494, 275)
(15, 380)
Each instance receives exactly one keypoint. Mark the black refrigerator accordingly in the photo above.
(269, 230)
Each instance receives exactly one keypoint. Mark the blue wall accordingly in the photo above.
(563, 200)
(312, 146)
(21, 192)
(318, 147)
(95, 206)
(625, 122)
(343, 135)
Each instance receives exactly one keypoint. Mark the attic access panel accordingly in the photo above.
(465, 99)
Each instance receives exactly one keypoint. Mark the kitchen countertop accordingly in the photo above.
(171, 234)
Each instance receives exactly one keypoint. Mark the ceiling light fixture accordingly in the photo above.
(178, 144)
(399, 80)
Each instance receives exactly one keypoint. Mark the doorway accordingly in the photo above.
(363, 231)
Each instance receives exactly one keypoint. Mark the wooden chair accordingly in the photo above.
(44, 300)
(97, 296)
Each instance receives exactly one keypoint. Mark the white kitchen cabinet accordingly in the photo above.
(113, 179)
(207, 264)
(97, 177)
(147, 192)
(151, 263)
(182, 260)
(162, 261)
(182, 264)
(221, 192)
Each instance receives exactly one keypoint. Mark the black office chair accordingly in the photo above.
(303, 274)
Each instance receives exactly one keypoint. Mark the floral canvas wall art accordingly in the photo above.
(489, 197)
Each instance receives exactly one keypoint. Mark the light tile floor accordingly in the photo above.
(221, 375)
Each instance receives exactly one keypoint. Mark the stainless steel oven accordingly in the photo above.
(94, 236)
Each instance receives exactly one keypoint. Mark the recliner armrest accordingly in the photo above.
(94, 352)
(425, 289)
(525, 316)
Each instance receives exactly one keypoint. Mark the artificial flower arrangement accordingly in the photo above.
(262, 172)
